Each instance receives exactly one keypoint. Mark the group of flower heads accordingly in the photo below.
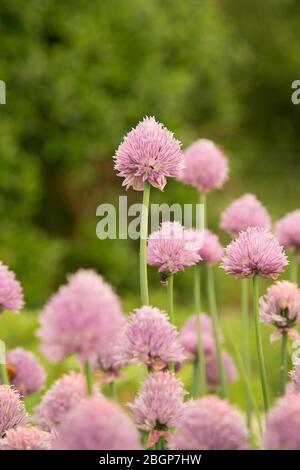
(84, 318)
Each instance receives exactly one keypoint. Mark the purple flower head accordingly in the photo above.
(255, 251)
(25, 438)
(173, 248)
(281, 306)
(210, 424)
(212, 370)
(211, 250)
(189, 337)
(11, 292)
(206, 167)
(287, 230)
(12, 410)
(64, 394)
(150, 153)
(246, 211)
(96, 424)
(80, 318)
(159, 405)
(149, 338)
(283, 424)
(295, 376)
(26, 374)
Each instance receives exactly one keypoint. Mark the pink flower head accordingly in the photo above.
(295, 375)
(159, 405)
(246, 211)
(283, 424)
(212, 370)
(148, 153)
(172, 248)
(12, 410)
(80, 318)
(206, 167)
(26, 373)
(189, 337)
(210, 424)
(211, 250)
(287, 230)
(149, 338)
(64, 394)
(96, 424)
(281, 306)
(23, 438)
(11, 292)
(255, 251)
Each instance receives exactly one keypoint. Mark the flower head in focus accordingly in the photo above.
(12, 410)
(149, 152)
(254, 252)
(26, 438)
(281, 308)
(246, 211)
(206, 166)
(11, 292)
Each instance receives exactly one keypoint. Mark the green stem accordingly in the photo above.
(283, 363)
(246, 345)
(294, 267)
(170, 307)
(259, 346)
(203, 200)
(112, 390)
(3, 374)
(89, 377)
(199, 366)
(216, 329)
(143, 246)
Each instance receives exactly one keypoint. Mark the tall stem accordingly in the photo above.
(170, 306)
(216, 329)
(294, 267)
(3, 370)
(143, 246)
(112, 390)
(199, 372)
(259, 346)
(203, 201)
(283, 363)
(89, 377)
(246, 345)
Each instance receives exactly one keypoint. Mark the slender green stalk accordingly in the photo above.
(294, 267)
(246, 344)
(260, 352)
(203, 200)
(283, 363)
(89, 377)
(199, 366)
(143, 246)
(216, 329)
(3, 374)
(170, 306)
(112, 390)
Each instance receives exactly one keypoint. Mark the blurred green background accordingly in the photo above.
(80, 74)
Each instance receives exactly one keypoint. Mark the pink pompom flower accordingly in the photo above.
(11, 292)
(255, 251)
(63, 395)
(212, 370)
(26, 438)
(206, 167)
(12, 410)
(96, 424)
(189, 337)
(210, 424)
(281, 308)
(80, 318)
(25, 372)
(283, 424)
(148, 153)
(149, 338)
(172, 248)
(287, 230)
(295, 376)
(159, 405)
(246, 211)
